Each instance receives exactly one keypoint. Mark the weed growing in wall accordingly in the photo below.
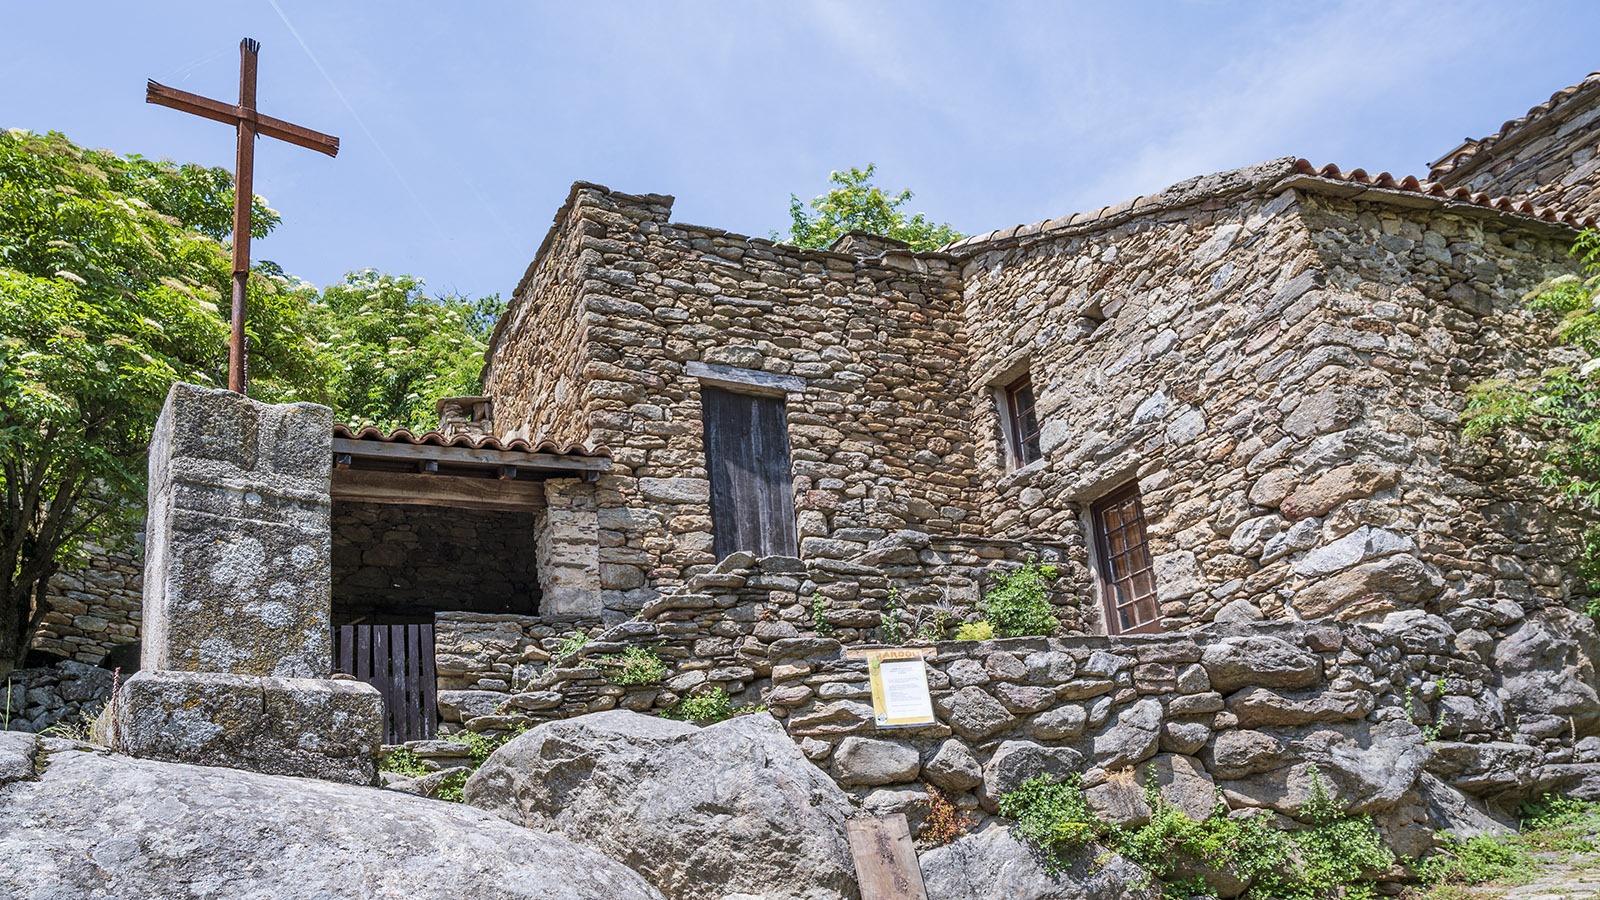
(980, 630)
(708, 708)
(1019, 603)
(1336, 855)
(569, 647)
(890, 629)
(1052, 817)
(944, 822)
(635, 666)
(402, 762)
(819, 616)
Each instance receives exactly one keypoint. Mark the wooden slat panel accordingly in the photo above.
(430, 685)
(414, 681)
(381, 679)
(886, 861)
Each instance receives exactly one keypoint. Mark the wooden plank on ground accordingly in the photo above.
(886, 861)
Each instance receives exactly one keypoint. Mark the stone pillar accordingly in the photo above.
(567, 550)
(237, 651)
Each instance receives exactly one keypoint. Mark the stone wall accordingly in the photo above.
(1281, 371)
(1421, 725)
(94, 607)
(66, 693)
(394, 563)
(498, 672)
(1547, 156)
(878, 437)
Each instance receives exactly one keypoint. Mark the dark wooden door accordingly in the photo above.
(747, 456)
(398, 661)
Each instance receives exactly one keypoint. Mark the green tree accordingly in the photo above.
(111, 276)
(1559, 406)
(856, 204)
(393, 350)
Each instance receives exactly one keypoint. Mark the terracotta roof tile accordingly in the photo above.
(1410, 184)
(470, 441)
(1463, 154)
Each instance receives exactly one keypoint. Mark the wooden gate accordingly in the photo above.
(398, 661)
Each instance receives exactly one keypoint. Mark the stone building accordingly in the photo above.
(1236, 400)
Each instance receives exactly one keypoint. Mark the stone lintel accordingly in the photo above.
(309, 727)
(745, 381)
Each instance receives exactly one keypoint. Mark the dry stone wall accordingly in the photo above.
(1402, 720)
(94, 607)
(878, 438)
(1282, 373)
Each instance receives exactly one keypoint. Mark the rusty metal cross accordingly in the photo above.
(249, 123)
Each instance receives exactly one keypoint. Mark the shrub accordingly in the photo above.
(480, 746)
(980, 630)
(450, 789)
(635, 666)
(1178, 852)
(1019, 603)
(1477, 860)
(1052, 817)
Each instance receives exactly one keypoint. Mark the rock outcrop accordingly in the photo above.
(990, 865)
(95, 824)
(731, 810)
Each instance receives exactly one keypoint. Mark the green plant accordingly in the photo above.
(403, 762)
(891, 630)
(935, 627)
(480, 746)
(1052, 817)
(944, 822)
(569, 646)
(1478, 860)
(635, 666)
(819, 616)
(1019, 603)
(1335, 855)
(1338, 851)
(450, 787)
(703, 709)
(980, 630)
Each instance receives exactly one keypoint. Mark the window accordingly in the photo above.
(747, 457)
(1022, 423)
(1127, 582)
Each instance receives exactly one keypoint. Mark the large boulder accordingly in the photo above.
(1259, 661)
(102, 825)
(728, 810)
(990, 865)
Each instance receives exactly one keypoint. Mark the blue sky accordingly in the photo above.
(464, 124)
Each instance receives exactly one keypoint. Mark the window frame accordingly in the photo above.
(1144, 606)
(1019, 438)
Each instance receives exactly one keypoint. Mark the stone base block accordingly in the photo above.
(280, 726)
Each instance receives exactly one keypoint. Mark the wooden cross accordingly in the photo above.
(249, 123)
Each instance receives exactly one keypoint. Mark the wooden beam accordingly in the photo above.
(886, 861)
(217, 111)
(407, 489)
(549, 462)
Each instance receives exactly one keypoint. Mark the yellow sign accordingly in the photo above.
(899, 688)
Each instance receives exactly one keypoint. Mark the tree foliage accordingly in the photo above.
(392, 350)
(856, 204)
(1559, 405)
(113, 284)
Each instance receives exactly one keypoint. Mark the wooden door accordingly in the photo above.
(747, 457)
(398, 661)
